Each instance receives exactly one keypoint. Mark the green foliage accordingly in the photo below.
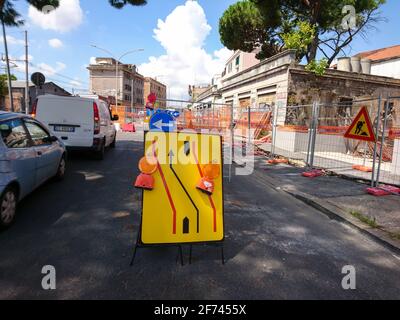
(299, 37)
(3, 84)
(3, 77)
(365, 219)
(119, 4)
(242, 26)
(11, 17)
(318, 67)
(308, 26)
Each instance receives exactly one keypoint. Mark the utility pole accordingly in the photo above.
(132, 92)
(8, 67)
(26, 74)
(116, 85)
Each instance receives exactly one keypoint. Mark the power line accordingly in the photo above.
(59, 81)
(58, 74)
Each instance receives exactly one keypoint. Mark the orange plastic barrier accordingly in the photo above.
(362, 168)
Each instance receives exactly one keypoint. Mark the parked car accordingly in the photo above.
(29, 156)
(81, 123)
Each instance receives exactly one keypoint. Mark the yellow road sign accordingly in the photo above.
(176, 211)
(361, 128)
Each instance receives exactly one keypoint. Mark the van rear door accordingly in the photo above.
(69, 118)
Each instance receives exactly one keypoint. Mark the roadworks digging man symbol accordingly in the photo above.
(361, 128)
(182, 188)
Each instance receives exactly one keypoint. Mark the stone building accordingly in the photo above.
(281, 81)
(280, 85)
(159, 89)
(18, 90)
(104, 78)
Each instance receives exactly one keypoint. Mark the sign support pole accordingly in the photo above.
(382, 143)
(376, 141)
(139, 245)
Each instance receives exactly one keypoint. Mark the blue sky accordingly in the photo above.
(88, 22)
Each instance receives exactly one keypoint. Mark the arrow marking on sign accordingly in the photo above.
(171, 202)
(160, 124)
(209, 197)
(171, 156)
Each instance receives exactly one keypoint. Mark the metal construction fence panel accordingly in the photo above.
(310, 135)
(388, 144)
(291, 138)
(332, 151)
(314, 135)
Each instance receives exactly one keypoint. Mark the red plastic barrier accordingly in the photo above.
(313, 173)
(391, 189)
(129, 127)
(383, 191)
(377, 192)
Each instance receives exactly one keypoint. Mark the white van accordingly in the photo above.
(80, 123)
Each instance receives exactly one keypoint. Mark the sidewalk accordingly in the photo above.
(341, 199)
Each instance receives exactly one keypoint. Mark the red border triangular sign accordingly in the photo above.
(361, 128)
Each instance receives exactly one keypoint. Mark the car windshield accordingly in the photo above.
(13, 134)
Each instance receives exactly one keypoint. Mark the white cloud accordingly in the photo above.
(48, 70)
(186, 62)
(76, 83)
(12, 41)
(66, 17)
(56, 43)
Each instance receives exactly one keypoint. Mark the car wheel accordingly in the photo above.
(112, 145)
(61, 169)
(99, 155)
(8, 207)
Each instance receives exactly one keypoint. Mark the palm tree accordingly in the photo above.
(10, 17)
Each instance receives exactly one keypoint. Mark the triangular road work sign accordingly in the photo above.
(361, 128)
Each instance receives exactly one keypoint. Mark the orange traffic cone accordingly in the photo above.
(206, 183)
(145, 180)
(206, 186)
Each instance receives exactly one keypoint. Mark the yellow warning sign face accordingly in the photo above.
(361, 128)
(186, 204)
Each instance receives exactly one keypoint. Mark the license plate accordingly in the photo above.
(64, 129)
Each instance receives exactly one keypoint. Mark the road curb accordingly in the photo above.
(340, 215)
(335, 213)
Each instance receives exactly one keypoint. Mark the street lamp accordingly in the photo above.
(116, 66)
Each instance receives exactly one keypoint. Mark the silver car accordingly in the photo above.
(29, 156)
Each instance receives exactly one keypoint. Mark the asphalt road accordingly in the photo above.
(276, 247)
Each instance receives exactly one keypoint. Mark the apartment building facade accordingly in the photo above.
(159, 89)
(104, 78)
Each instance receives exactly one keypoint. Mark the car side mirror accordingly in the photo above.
(115, 118)
(5, 130)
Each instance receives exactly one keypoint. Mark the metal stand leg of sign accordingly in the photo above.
(138, 245)
(220, 245)
(135, 250)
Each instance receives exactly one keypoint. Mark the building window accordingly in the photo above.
(238, 60)
(230, 68)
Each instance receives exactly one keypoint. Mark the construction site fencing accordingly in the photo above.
(310, 135)
(313, 135)
(128, 115)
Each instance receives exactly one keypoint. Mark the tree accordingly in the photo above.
(309, 26)
(11, 17)
(3, 84)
